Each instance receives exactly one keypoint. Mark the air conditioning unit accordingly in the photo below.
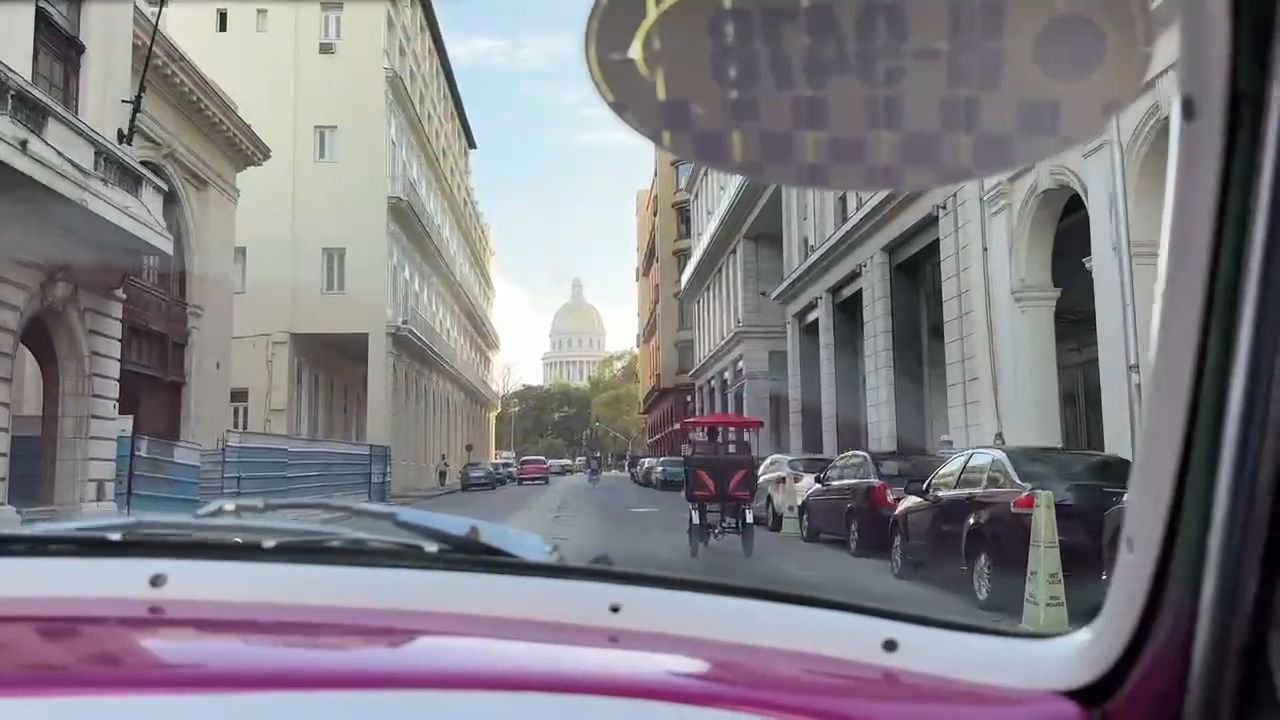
(328, 47)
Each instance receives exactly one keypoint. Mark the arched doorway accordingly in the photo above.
(33, 445)
(1075, 330)
(153, 363)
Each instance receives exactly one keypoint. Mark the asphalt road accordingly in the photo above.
(644, 529)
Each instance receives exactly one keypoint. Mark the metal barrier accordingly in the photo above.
(155, 475)
(263, 465)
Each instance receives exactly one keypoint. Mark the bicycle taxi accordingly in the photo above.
(720, 478)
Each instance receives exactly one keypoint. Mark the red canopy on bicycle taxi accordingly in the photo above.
(719, 463)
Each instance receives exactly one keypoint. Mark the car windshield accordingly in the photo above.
(402, 240)
(808, 465)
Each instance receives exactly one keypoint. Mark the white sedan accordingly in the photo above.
(775, 473)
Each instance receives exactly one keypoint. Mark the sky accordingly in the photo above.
(555, 172)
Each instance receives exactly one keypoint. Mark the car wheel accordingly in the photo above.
(899, 564)
(855, 541)
(807, 531)
(987, 580)
(773, 520)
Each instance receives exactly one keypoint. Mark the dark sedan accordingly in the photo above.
(856, 495)
(973, 516)
(479, 475)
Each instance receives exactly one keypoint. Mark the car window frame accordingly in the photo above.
(963, 471)
(930, 485)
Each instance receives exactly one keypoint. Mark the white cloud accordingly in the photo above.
(530, 53)
(521, 328)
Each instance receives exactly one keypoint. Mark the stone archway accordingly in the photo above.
(49, 422)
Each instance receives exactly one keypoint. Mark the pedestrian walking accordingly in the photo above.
(442, 471)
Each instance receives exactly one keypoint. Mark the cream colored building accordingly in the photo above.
(576, 341)
(114, 259)
(363, 263)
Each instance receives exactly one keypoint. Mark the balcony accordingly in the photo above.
(94, 204)
(416, 328)
(407, 207)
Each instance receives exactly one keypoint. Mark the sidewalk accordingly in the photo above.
(419, 494)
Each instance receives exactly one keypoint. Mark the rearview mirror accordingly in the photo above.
(820, 478)
(915, 488)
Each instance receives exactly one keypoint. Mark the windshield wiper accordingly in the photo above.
(458, 533)
(234, 531)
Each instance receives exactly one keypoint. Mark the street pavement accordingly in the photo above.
(644, 529)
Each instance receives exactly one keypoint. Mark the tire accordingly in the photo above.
(988, 581)
(901, 567)
(748, 531)
(773, 520)
(855, 540)
(807, 533)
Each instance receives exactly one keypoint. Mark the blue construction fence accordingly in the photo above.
(154, 475)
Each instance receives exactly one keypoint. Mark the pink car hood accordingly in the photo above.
(61, 647)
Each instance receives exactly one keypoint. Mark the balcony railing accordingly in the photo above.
(418, 322)
(150, 307)
(127, 195)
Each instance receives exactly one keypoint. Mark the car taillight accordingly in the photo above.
(882, 496)
(1024, 503)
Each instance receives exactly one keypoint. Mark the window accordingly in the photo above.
(331, 21)
(945, 478)
(682, 174)
(262, 20)
(682, 261)
(240, 409)
(335, 270)
(326, 143)
(842, 208)
(682, 222)
(238, 270)
(858, 467)
(220, 20)
(55, 65)
(684, 357)
(975, 472)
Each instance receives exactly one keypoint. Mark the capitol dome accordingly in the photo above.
(577, 340)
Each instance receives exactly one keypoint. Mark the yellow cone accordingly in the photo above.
(1044, 605)
(790, 510)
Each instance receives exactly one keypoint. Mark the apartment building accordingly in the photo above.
(114, 249)
(736, 260)
(363, 263)
(1015, 309)
(665, 330)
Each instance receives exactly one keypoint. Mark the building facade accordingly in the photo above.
(740, 352)
(362, 265)
(993, 311)
(576, 339)
(122, 303)
(664, 340)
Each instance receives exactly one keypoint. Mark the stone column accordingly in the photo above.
(877, 324)
(827, 369)
(795, 401)
(1035, 416)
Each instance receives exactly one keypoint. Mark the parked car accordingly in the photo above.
(973, 516)
(645, 471)
(667, 472)
(478, 475)
(580, 465)
(531, 469)
(561, 466)
(506, 470)
(775, 473)
(855, 497)
(634, 470)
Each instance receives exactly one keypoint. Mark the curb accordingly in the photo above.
(410, 498)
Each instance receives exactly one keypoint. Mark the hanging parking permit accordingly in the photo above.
(868, 94)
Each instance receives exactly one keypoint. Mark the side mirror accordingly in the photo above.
(915, 488)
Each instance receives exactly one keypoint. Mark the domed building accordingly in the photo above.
(577, 341)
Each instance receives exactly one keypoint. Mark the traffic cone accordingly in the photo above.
(790, 515)
(1044, 604)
